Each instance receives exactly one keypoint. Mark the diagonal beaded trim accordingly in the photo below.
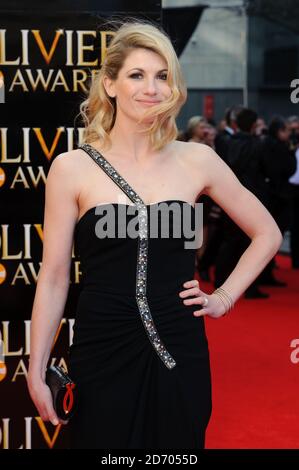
(141, 272)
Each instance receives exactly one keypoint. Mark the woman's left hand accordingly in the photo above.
(214, 305)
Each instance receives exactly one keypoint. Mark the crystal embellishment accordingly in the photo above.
(142, 255)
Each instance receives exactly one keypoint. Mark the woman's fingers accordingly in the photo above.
(191, 291)
(52, 416)
(195, 301)
(192, 288)
(192, 283)
(42, 398)
(211, 304)
(201, 313)
(47, 413)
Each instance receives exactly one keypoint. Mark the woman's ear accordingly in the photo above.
(109, 86)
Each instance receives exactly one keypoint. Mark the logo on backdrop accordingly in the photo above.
(44, 75)
(15, 347)
(75, 48)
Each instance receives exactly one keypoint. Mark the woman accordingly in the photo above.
(196, 129)
(139, 354)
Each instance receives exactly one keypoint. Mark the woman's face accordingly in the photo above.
(200, 130)
(141, 83)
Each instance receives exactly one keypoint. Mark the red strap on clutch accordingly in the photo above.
(68, 399)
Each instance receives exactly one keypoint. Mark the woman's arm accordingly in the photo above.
(249, 214)
(60, 216)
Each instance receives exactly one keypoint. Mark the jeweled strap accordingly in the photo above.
(141, 273)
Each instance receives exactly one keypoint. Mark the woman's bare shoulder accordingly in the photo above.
(71, 158)
(69, 164)
(196, 155)
(67, 168)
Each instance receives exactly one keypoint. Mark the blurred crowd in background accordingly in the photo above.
(265, 158)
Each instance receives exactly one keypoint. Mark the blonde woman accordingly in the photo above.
(197, 129)
(140, 355)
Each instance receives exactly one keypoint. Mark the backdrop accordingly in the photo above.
(46, 58)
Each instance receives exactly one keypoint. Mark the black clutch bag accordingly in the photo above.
(63, 391)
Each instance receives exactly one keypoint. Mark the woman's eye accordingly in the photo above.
(162, 76)
(136, 75)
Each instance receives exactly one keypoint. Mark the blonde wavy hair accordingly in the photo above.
(98, 110)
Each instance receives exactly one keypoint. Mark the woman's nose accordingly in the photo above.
(151, 87)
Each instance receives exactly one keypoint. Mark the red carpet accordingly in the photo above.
(255, 384)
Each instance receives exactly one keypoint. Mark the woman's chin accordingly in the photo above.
(147, 120)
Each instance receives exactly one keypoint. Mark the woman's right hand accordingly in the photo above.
(42, 398)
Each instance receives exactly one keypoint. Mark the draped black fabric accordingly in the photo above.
(128, 398)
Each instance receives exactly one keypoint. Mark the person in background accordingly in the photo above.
(196, 129)
(212, 232)
(221, 125)
(261, 129)
(213, 214)
(279, 164)
(293, 122)
(244, 158)
(210, 136)
(223, 137)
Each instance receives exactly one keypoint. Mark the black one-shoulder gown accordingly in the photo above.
(139, 356)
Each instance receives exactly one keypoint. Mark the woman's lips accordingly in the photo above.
(148, 102)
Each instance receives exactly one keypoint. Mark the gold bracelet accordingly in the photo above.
(222, 300)
(229, 297)
(226, 308)
(225, 297)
